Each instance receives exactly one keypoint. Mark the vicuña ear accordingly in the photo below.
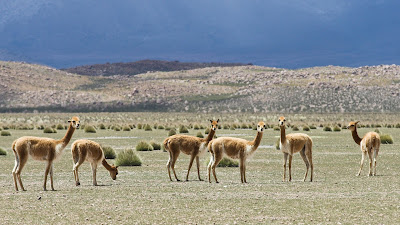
(217, 120)
(211, 121)
(357, 122)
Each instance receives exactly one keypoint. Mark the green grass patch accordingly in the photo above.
(109, 152)
(5, 133)
(3, 152)
(89, 129)
(386, 139)
(144, 146)
(49, 130)
(128, 158)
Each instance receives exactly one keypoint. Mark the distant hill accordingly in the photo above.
(330, 89)
(143, 66)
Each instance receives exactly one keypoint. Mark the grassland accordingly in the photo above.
(145, 195)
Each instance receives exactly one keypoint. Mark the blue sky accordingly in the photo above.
(291, 34)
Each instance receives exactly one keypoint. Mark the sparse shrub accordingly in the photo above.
(81, 127)
(48, 130)
(89, 129)
(126, 128)
(367, 126)
(168, 128)
(171, 132)
(232, 128)
(203, 127)
(389, 125)
(313, 127)
(295, 128)
(226, 162)
(155, 126)
(3, 152)
(40, 127)
(327, 128)
(196, 127)
(226, 127)
(6, 128)
(306, 128)
(377, 131)
(397, 125)
(139, 126)
(386, 139)
(183, 129)
(244, 126)
(254, 127)
(378, 125)
(60, 127)
(109, 152)
(117, 128)
(160, 127)
(147, 127)
(128, 158)
(156, 146)
(102, 126)
(199, 134)
(277, 144)
(276, 128)
(144, 146)
(207, 131)
(336, 129)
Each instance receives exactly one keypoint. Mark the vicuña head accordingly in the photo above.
(282, 121)
(113, 172)
(352, 125)
(214, 124)
(74, 122)
(261, 126)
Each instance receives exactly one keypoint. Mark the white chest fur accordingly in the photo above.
(202, 149)
(285, 147)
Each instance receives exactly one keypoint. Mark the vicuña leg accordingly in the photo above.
(362, 162)
(290, 167)
(174, 158)
(209, 167)
(217, 159)
(190, 166)
(21, 165)
(303, 155)
(76, 167)
(198, 167)
(14, 171)
(51, 177)
(370, 156)
(46, 173)
(169, 165)
(285, 156)
(375, 156)
(94, 169)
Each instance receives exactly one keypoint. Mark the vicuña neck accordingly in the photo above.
(283, 134)
(257, 140)
(106, 165)
(65, 140)
(356, 138)
(210, 136)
